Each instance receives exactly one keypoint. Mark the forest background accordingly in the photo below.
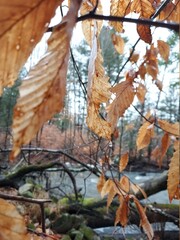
(66, 137)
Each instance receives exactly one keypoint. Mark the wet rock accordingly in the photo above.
(26, 190)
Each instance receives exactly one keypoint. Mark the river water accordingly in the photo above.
(87, 184)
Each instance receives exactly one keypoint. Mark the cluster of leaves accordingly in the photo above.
(43, 90)
(122, 190)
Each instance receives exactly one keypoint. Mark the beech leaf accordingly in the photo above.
(123, 161)
(165, 142)
(122, 212)
(173, 175)
(125, 184)
(141, 92)
(12, 224)
(23, 24)
(144, 32)
(169, 127)
(124, 97)
(164, 50)
(42, 91)
(101, 183)
(96, 93)
(107, 187)
(118, 8)
(118, 43)
(88, 25)
(145, 134)
(144, 221)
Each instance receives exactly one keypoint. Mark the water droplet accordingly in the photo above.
(17, 47)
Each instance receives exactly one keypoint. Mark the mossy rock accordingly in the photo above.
(88, 233)
(66, 237)
(66, 222)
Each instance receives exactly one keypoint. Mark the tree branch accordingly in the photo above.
(172, 26)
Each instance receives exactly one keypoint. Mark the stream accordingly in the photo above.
(86, 184)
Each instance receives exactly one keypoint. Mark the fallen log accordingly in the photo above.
(96, 214)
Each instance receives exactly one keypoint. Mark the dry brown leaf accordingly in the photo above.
(142, 71)
(143, 7)
(122, 212)
(125, 184)
(123, 161)
(96, 93)
(88, 25)
(134, 58)
(43, 90)
(112, 193)
(124, 97)
(12, 224)
(145, 134)
(151, 60)
(156, 153)
(144, 32)
(107, 187)
(144, 221)
(159, 84)
(173, 175)
(169, 127)
(136, 188)
(101, 183)
(165, 142)
(23, 24)
(141, 92)
(118, 8)
(164, 49)
(118, 43)
(171, 12)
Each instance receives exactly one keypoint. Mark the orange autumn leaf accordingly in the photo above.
(118, 43)
(142, 71)
(101, 183)
(112, 193)
(12, 224)
(136, 188)
(88, 25)
(145, 134)
(145, 9)
(144, 32)
(151, 60)
(144, 223)
(124, 97)
(107, 187)
(118, 8)
(123, 161)
(165, 142)
(169, 127)
(96, 93)
(124, 184)
(134, 58)
(122, 212)
(42, 94)
(171, 12)
(164, 49)
(173, 175)
(23, 23)
(141, 92)
(156, 153)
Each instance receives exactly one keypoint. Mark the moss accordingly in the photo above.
(166, 206)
